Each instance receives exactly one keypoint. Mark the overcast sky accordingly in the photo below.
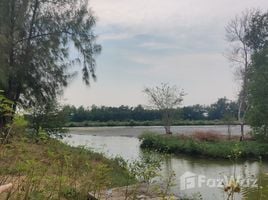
(146, 42)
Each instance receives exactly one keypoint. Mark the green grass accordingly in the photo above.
(54, 170)
(216, 149)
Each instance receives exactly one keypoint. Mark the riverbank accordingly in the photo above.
(145, 123)
(50, 169)
(214, 148)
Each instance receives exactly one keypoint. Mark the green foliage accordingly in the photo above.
(218, 149)
(222, 108)
(56, 171)
(106, 114)
(147, 168)
(19, 125)
(256, 36)
(257, 75)
(70, 193)
(258, 112)
(5, 105)
(140, 116)
(47, 119)
(101, 178)
(195, 112)
(36, 38)
(6, 110)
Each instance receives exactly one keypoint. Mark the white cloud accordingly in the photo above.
(158, 45)
(146, 42)
(113, 36)
(164, 16)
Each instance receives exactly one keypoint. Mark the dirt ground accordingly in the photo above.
(136, 192)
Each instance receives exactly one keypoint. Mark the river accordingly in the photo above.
(193, 175)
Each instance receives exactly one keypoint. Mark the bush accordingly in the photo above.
(19, 125)
(259, 133)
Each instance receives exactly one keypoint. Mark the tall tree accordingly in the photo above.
(165, 98)
(258, 112)
(240, 56)
(36, 40)
(50, 118)
(257, 37)
(257, 33)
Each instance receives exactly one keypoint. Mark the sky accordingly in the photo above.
(148, 42)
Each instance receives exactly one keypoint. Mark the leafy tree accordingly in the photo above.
(258, 112)
(257, 40)
(195, 112)
(5, 107)
(257, 33)
(5, 111)
(49, 119)
(165, 98)
(36, 39)
(70, 112)
(222, 108)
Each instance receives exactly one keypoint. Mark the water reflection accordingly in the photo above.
(128, 148)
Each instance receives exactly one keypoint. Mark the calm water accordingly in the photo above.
(122, 141)
(136, 131)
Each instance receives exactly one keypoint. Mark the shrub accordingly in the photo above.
(19, 125)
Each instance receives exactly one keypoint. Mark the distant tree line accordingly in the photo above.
(219, 110)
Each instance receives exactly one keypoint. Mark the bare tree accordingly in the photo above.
(240, 57)
(165, 98)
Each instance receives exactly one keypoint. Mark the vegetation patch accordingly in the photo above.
(209, 148)
(53, 170)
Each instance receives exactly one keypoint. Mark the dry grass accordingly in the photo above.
(213, 136)
(210, 136)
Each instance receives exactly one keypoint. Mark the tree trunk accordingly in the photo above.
(229, 132)
(241, 120)
(167, 129)
(242, 131)
(167, 120)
